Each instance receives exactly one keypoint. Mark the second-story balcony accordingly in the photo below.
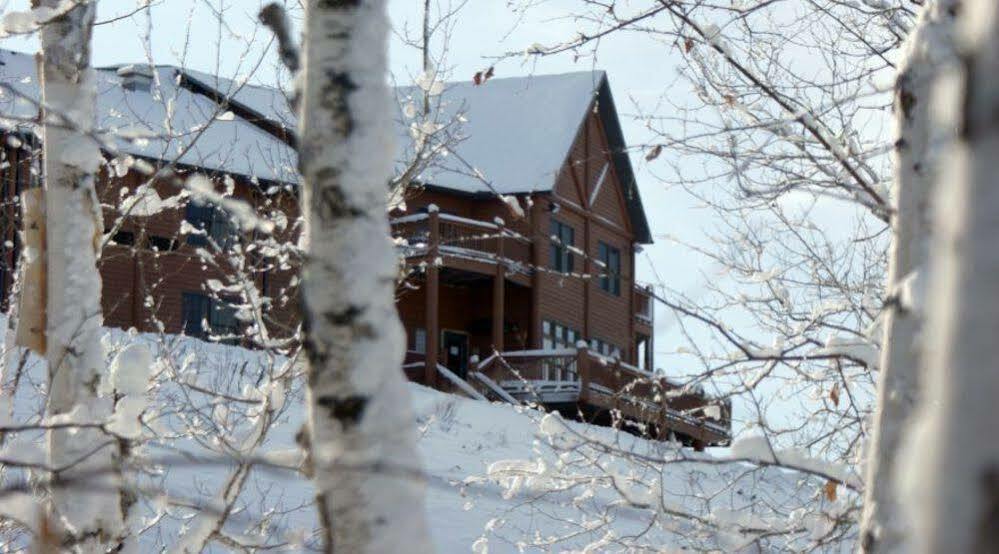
(462, 243)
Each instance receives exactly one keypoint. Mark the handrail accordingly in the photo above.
(467, 221)
(461, 383)
(540, 353)
(497, 390)
(408, 219)
(506, 232)
(578, 376)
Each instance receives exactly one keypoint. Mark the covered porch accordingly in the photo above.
(471, 291)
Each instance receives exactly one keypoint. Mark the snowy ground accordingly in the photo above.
(499, 478)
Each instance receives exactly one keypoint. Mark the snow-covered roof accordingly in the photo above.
(268, 102)
(168, 122)
(514, 135)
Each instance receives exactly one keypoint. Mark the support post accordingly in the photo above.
(432, 296)
(498, 290)
(663, 409)
(583, 369)
(539, 246)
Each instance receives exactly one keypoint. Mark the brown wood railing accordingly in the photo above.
(459, 236)
(556, 376)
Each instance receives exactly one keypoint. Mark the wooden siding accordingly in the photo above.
(578, 301)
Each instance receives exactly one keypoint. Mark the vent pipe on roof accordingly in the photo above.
(136, 77)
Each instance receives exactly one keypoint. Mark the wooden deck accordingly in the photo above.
(593, 384)
(573, 380)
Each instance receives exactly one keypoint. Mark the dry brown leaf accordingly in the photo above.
(654, 153)
(830, 490)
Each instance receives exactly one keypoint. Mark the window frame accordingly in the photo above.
(610, 277)
(219, 315)
(557, 336)
(214, 223)
(560, 257)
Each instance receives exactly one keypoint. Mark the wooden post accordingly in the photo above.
(498, 290)
(663, 409)
(629, 285)
(583, 369)
(432, 296)
(539, 246)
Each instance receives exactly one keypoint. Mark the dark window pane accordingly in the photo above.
(222, 318)
(200, 217)
(214, 222)
(194, 311)
(162, 244)
(124, 238)
(610, 278)
(561, 256)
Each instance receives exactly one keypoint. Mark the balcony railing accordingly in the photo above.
(580, 375)
(447, 235)
(644, 312)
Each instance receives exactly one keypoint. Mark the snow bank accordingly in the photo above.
(499, 478)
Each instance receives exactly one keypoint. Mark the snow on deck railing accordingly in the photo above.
(539, 353)
(540, 385)
(467, 221)
(487, 361)
(408, 219)
(507, 232)
(565, 352)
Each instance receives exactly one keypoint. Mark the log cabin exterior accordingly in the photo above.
(521, 274)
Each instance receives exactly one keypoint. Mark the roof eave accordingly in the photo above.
(622, 162)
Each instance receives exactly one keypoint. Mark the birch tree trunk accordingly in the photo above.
(922, 134)
(85, 495)
(362, 444)
(954, 490)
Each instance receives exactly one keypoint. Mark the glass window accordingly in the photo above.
(213, 221)
(420, 340)
(222, 318)
(562, 238)
(198, 309)
(610, 277)
(194, 312)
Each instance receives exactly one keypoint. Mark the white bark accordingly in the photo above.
(85, 495)
(954, 467)
(363, 451)
(922, 134)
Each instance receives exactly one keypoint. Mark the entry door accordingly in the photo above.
(456, 352)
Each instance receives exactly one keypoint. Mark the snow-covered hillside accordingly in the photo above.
(499, 478)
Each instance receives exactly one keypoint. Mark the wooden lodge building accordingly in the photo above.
(519, 245)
